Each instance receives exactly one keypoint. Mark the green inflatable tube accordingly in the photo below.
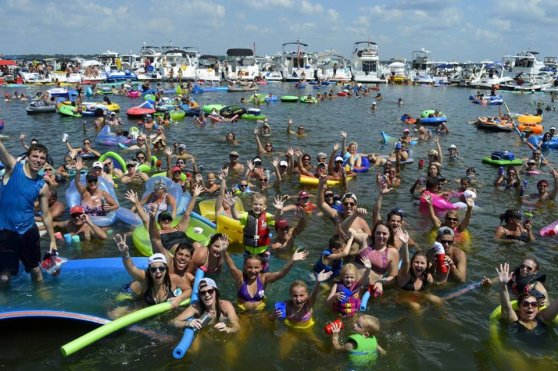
(209, 107)
(68, 110)
(115, 157)
(113, 326)
(250, 116)
(488, 160)
(289, 98)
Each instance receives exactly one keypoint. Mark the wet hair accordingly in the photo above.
(534, 260)
(347, 268)
(395, 211)
(336, 242)
(214, 238)
(524, 296)
(370, 324)
(37, 147)
(432, 182)
(297, 283)
(471, 170)
(166, 279)
(542, 181)
(390, 240)
(253, 257)
(509, 214)
(184, 245)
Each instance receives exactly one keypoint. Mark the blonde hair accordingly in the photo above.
(370, 324)
(347, 268)
(297, 283)
(259, 197)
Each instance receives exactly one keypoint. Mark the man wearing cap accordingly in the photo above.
(286, 234)
(453, 153)
(455, 259)
(552, 131)
(182, 154)
(132, 175)
(80, 224)
(98, 169)
(302, 205)
(19, 235)
(236, 169)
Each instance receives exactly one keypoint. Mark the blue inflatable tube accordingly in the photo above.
(364, 165)
(364, 301)
(536, 140)
(273, 98)
(432, 120)
(189, 333)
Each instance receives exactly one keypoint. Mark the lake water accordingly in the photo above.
(455, 335)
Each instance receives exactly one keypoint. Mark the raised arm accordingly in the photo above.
(185, 220)
(326, 209)
(275, 163)
(7, 159)
(132, 270)
(403, 275)
(235, 272)
(259, 148)
(320, 277)
(133, 197)
(555, 188)
(155, 235)
(465, 222)
(80, 187)
(504, 276)
(271, 277)
(222, 191)
(439, 148)
(433, 218)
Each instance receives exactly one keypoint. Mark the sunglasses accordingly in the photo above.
(263, 180)
(243, 185)
(527, 268)
(349, 204)
(452, 219)
(47, 169)
(92, 181)
(157, 269)
(76, 216)
(448, 242)
(209, 291)
(141, 158)
(86, 143)
(527, 303)
(166, 220)
(328, 195)
(97, 168)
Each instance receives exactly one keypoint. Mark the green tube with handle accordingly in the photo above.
(113, 326)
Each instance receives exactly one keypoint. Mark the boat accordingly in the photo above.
(494, 124)
(240, 64)
(209, 68)
(366, 63)
(296, 63)
(179, 64)
(491, 75)
(242, 88)
(270, 68)
(151, 57)
(492, 100)
(527, 71)
(421, 67)
(332, 67)
(398, 74)
(39, 106)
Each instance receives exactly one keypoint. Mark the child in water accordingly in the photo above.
(297, 313)
(331, 259)
(362, 346)
(345, 294)
(256, 224)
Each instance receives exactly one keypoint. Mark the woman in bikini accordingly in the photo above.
(94, 200)
(513, 230)
(251, 282)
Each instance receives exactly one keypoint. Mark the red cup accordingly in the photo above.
(442, 267)
(327, 327)
(421, 164)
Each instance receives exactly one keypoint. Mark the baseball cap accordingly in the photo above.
(531, 161)
(257, 159)
(76, 210)
(552, 128)
(445, 231)
(349, 195)
(182, 146)
(303, 194)
(157, 258)
(175, 169)
(453, 146)
(160, 185)
(98, 164)
(406, 131)
(283, 163)
(130, 162)
(338, 159)
(320, 164)
(281, 224)
(207, 282)
(234, 153)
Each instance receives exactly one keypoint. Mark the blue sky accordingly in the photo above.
(451, 29)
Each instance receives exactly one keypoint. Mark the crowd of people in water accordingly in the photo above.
(368, 252)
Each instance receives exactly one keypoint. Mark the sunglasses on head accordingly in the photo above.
(157, 269)
(208, 291)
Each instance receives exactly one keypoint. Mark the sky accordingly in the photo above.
(462, 30)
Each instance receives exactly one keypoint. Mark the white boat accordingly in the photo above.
(209, 68)
(92, 71)
(240, 64)
(37, 78)
(550, 64)
(176, 64)
(366, 63)
(444, 72)
(270, 68)
(296, 62)
(130, 62)
(333, 67)
(526, 71)
(491, 74)
(421, 67)
(151, 57)
(398, 72)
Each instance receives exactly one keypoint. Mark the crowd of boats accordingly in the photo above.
(522, 71)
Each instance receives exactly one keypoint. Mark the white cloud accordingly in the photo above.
(306, 7)
(269, 4)
(333, 15)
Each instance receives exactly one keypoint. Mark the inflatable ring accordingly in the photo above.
(199, 229)
(529, 119)
(313, 181)
(116, 159)
(231, 227)
(147, 168)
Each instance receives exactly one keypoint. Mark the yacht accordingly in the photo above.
(366, 63)
(333, 67)
(444, 72)
(398, 72)
(550, 64)
(209, 68)
(270, 68)
(491, 74)
(421, 67)
(240, 64)
(526, 71)
(151, 57)
(297, 63)
(130, 61)
(176, 64)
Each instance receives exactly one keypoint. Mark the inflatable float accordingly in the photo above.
(313, 181)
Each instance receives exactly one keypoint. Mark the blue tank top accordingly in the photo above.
(18, 196)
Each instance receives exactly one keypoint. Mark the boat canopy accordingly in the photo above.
(244, 52)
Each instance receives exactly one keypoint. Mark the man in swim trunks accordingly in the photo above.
(19, 235)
